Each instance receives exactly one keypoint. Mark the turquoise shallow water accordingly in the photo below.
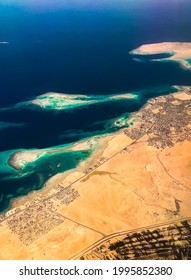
(96, 119)
(34, 175)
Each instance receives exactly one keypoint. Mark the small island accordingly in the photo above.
(63, 101)
(178, 52)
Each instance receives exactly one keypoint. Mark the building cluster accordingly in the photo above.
(32, 223)
(166, 120)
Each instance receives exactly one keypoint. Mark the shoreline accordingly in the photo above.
(136, 177)
(18, 160)
(100, 142)
(22, 157)
(76, 173)
(180, 52)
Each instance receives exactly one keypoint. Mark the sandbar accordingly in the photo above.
(181, 52)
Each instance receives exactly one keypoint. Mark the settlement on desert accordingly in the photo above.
(138, 182)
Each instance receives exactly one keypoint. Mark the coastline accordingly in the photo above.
(135, 177)
(18, 159)
(99, 143)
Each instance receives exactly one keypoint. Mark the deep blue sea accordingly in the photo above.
(78, 48)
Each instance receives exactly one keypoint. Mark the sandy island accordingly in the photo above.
(62, 101)
(181, 52)
(59, 101)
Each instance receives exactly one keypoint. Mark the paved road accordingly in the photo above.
(118, 234)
